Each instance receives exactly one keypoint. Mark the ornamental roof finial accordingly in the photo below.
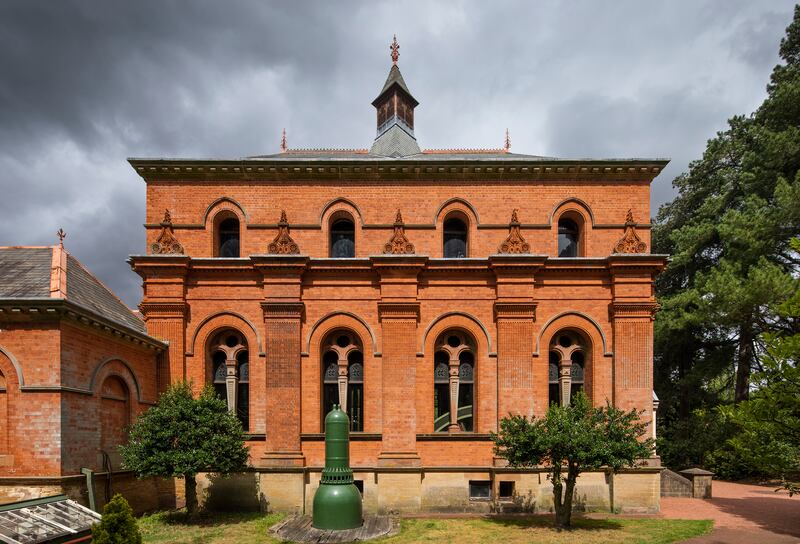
(507, 145)
(61, 235)
(395, 50)
(283, 142)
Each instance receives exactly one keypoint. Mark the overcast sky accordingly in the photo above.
(85, 85)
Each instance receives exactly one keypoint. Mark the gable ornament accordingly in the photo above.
(399, 244)
(283, 243)
(166, 243)
(515, 243)
(630, 241)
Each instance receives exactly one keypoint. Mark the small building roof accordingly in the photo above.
(50, 519)
(52, 273)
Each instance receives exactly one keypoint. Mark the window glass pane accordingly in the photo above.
(552, 368)
(465, 407)
(343, 239)
(567, 238)
(355, 406)
(441, 407)
(455, 239)
(330, 396)
(356, 372)
(553, 396)
(480, 489)
(243, 405)
(229, 238)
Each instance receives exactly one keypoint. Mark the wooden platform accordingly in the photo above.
(299, 529)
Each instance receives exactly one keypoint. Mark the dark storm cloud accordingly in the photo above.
(86, 84)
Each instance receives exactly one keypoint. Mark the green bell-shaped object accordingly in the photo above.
(337, 502)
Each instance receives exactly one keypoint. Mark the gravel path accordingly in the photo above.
(742, 513)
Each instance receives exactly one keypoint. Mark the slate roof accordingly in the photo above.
(25, 272)
(395, 142)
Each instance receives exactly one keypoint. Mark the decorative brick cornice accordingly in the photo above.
(644, 310)
(163, 309)
(515, 310)
(401, 311)
(281, 310)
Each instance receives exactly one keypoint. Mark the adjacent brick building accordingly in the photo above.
(76, 367)
(430, 292)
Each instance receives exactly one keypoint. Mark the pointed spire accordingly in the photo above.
(61, 235)
(395, 48)
(507, 145)
(283, 142)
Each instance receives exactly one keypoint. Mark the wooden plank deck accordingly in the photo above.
(299, 529)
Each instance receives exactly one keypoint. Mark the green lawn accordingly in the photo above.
(252, 528)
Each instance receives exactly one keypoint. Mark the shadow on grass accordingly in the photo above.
(548, 521)
(206, 519)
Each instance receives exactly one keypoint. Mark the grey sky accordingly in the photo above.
(87, 84)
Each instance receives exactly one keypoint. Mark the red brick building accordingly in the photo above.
(431, 292)
(76, 367)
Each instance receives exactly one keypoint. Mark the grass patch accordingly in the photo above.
(251, 528)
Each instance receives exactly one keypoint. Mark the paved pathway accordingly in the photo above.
(742, 514)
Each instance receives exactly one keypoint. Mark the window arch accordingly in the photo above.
(227, 235)
(342, 236)
(343, 376)
(567, 367)
(454, 383)
(455, 238)
(230, 372)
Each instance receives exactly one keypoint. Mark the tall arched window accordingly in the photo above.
(343, 238)
(230, 372)
(566, 367)
(568, 237)
(454, 383)
(343, 377)
(228, 237)
(115, 415)
(455, 238)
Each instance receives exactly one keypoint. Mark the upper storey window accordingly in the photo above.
(343, 238)
(228, 237)
(455, 238)
(568, 237)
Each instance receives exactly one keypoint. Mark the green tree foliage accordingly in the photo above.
(729, 232)
(118, 525)
(181, 436)
(572, 439)
(768, 436)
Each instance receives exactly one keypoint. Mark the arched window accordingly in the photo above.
(230, 373)
(568, 237)
(455, 238)
(228, 237)
(115, 415)
(343, 238)
(343, 377)
(454, 383)
(566, 366)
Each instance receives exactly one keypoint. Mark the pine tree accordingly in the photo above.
(729, 232)
(118, 525)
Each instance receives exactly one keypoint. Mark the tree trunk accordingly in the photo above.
(557, 489)
(744, 361)
(572, 476)
(191, 494)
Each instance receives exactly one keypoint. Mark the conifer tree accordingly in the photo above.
(729, 232)
(118, 525)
